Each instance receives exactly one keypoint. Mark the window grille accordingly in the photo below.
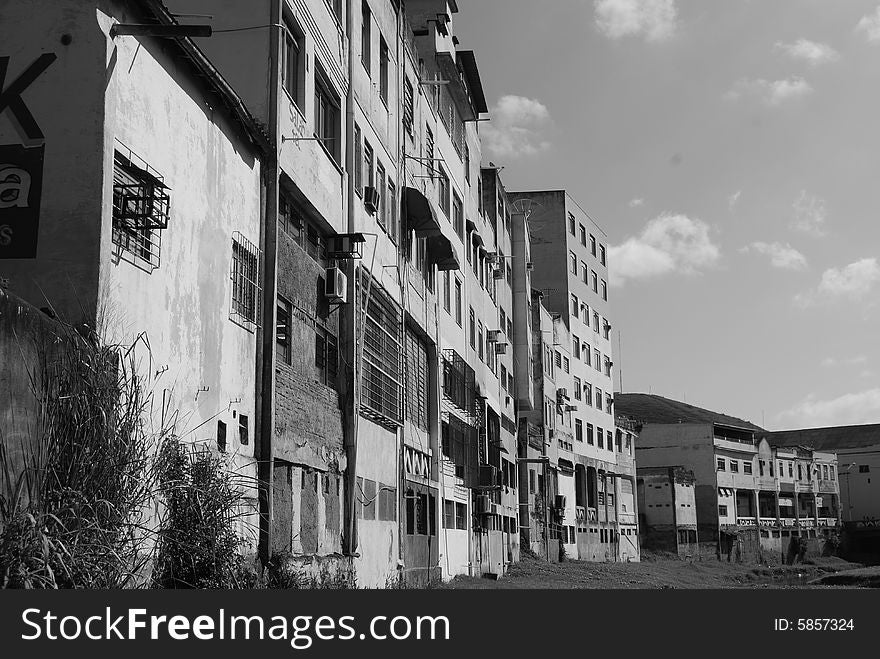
(141, 207)
(416, 381)
(381, 361)
(459, 383)
(245, 276)
(408, 106)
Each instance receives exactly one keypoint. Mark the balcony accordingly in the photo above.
(746, 521)
(828, 522)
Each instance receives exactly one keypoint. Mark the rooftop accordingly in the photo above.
(650, 408)
(827, 438)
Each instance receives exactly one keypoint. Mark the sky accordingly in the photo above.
(730, 150)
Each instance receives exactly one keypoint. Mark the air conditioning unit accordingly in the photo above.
(530, 266)
(494, 336)
(371, 199)
(489, 476)
(500, 348)
(484, 504)
(345, 246)
(336, 285)
(559, 502)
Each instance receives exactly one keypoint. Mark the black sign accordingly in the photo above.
(21, 184)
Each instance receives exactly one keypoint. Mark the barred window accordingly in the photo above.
(282, 331)
(416, 380)
(245, 282)
(382, 350)
(140, 211)
(326, 356)
(408, 106)
(358, 162)
(429, 152)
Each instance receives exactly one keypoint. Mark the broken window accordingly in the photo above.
(141, 208)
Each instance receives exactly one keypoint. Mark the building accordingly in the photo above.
(858, 456)
(668, 510)
(752, 498)
(138, 175)
(568, 266)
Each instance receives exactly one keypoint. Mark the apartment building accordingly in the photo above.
(569, 266)
(858, 456)
(753, 499)
(121, 146)
(668, 510)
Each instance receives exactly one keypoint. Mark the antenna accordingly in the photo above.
(619, 361)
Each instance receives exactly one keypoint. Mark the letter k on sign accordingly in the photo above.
(10, 97)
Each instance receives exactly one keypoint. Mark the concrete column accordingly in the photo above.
(757, 507)
(776, 495)
(616, 479)
(735, 510)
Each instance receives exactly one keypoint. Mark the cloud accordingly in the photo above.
(656, 20)
(517, 127)
(848, 409)
(853, 282)
(782, 256)
(770, 92)
(733, 199)
(809, 215)
(668, 243)
(811, 52)
(870, 25)
(829, 362)
(635, 203)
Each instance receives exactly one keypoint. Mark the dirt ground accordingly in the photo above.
(666, 571)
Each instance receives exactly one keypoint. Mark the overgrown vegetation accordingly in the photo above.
(76, 494)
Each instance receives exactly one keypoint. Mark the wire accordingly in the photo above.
(252, 27)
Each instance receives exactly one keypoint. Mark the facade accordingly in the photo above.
(752, 498)
(858, 456)
(568, 257)
(668, 510)
(143, 194)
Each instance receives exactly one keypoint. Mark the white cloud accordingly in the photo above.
(852, 282)
(848, 409)
(771, 92)
(668, 243)
(733, 200)
(849, 361)
(635, 203)
(653, 19)
(782, 256)
(809, 214)
(811, 52)
(870, 25)
(517, 127)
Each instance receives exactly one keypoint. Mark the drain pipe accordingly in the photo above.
(265, 407)
(351, 412)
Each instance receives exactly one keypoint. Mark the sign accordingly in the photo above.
(21, 184)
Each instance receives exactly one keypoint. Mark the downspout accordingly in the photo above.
(264, 447)
(350, 535)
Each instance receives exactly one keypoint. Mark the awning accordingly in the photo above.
(565, 466)
(441, 252)
(420, 214)
(725, 492)
(477, 238)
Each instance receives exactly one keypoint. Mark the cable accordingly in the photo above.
(252, 27)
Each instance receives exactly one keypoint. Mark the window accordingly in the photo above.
(576, 343)
(447, 293)
(790, 470)
(607, 366)
(558, 359)
(585, 274)
(574, 262)
(383, 71)
(380, 186)
(443, 192)
(467, 164)
(366, 42)
(609, 442)
(221, 436)
(417, 381)
(565, 364)
(382, 355)
(458, 215)
(734, 466)
(245, 286)
(583, 234)
(592, 244)
(578, 430)
(602, 254)
(864, 469)
(326, 356)
(140, 211)
(747, 467)
(480, 339)
(598, 398)
(282, 331)
(608, 403)
(596, 322)
(597, 361)
(327, 117)
(292, 63)
(831, 471)
(588, 393)
(590, 439)
(606, 330)
(408, 106)
(472, 327)
(577, 388)
(595, 279)
(587, 354)
(600, 441)
(368, 164)
(358, 162)
(458, 302)
(574, 306)
(604, 290)
(509, 273)
(429, 152)
(571, 224)
(721, 465)
(722, 511)
(392, 223)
